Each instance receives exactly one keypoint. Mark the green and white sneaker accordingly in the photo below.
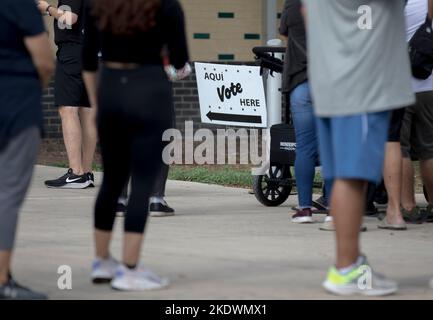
(361, 280)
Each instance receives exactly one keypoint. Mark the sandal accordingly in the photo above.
(415, 216)
(388, 226)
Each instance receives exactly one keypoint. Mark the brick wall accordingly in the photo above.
(186, 106)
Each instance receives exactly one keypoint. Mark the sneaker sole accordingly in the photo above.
(118, 287)
(363, 229)
(161, 214)
(72, 186)
(303, 220)
(351, 291)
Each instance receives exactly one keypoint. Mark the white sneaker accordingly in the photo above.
(139, 279)
(103, 271)
(361, 280)
(328, 225)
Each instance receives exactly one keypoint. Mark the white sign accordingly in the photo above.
(231, 95)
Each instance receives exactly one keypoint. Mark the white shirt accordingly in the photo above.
(416, 12)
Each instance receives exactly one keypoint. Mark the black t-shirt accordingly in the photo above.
(67, 34)
(293, 27)
(20, 88)
(141, 47)
(18, 19)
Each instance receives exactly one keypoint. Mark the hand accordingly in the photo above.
(42, 6)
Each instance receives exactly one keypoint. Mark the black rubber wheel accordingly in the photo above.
(274, 188)
(425, 193)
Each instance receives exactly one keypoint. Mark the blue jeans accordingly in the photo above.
(307, 148)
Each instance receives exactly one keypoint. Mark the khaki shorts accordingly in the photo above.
(417, 130)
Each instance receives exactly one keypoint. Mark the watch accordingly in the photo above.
(48, 10)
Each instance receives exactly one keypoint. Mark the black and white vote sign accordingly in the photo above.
(231, 95)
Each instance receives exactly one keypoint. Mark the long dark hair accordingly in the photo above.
(124, 17)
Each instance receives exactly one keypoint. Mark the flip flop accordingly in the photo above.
(388, 226)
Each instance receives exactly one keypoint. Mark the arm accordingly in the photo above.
(65, 17)
(176, 35)
(284, 24)
(430, 8)
(90, 59)
(42, 57)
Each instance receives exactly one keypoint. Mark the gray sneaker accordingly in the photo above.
(328, 225)
(13, 291)
(362, 280)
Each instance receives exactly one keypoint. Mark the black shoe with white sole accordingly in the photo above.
(160, 210)
(91, 178)
(70, 181)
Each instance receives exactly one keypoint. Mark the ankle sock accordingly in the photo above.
(158, 200)
(346, 270)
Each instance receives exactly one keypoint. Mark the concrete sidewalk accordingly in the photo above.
(222, 244)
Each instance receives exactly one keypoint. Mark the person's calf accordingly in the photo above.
(347, 206)
(5, 260)
(71, 128)
(408, 179)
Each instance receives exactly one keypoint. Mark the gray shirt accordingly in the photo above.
(358, 65)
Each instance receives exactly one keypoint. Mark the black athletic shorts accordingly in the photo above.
(417, 130)
(394, 132)
(69, 89)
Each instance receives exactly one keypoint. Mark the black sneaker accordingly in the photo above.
(160, 210)
(13, 291)
(91, 178)
(321, 205)
(69, 181)
(371, 210)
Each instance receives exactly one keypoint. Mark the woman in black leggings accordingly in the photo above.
(135, 107)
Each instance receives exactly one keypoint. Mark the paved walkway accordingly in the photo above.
(222, 244)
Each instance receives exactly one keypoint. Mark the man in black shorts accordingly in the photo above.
(392, 174)
(78, 125)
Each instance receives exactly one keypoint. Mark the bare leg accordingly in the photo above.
(89, 137)
(132, 248)
(408, 192)
(102, 243)
(71, 128)
(393, 179)
(347, 207)
(5, 262)
(427, 177)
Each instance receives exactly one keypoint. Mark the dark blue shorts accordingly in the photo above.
(353, 147)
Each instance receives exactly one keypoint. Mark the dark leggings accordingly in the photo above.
(135, 108)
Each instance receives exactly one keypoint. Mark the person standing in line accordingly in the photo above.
(392, 174)
(417, 132)
(297, 89)
(158, 205)
(134, 96)
(26, 65)
(76, 113)
(359, 71)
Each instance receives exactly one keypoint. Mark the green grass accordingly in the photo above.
(233, 176)
(225, 175)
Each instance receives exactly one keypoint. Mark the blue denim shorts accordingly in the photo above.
(353, 147)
